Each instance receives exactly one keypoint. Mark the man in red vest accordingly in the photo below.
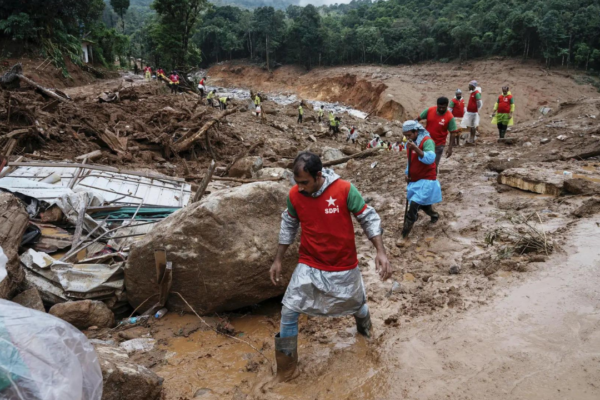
(440, 122)
(423, 189)
(471, 117)
(457, 108)
(327, 281)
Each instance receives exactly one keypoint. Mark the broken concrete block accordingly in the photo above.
(13, 223)
(30, 299)
(85, 313)
(221, 248)
(533, 179)
(246, 167)
(125, 380)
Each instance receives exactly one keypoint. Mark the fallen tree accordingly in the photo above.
(187, 141)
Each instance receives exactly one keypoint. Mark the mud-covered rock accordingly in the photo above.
(85, 313)
(532, 179)
(125, 380)
(31, 299)
(588, 208)
(330, 154)
(221, 249)
(13, 223)
(350, 150)
(246, 167)
(581, 186)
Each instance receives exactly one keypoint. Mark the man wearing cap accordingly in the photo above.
(503, 111)
(423, 189)
(471, 117)
(326, 281)
(440, 122)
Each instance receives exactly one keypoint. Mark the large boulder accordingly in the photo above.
(31, 299)
(13, 223)
(246, 167)
(85, 313)
(125, 380)
(221, 249)
(330, 154)
(533, 179)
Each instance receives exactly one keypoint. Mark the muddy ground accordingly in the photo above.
(511, 324)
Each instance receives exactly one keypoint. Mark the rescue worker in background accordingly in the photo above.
(331, 119)
(423, 189)
(471, 118)
(160, 73)
(457, 108)
(503, 111)
(336, 126)
(210, 97)
(202, 86)
(223, 102)
(300, 113)
(257, 107)
(148, 72)
(174, 82)
(440, 122)
(396, 147)
(327, 280)
(352, 135)
(320, 113)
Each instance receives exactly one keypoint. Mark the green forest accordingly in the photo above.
(191, 33)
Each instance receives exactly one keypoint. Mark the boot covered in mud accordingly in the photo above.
(429, 211)
(286, 356)
(411, 217)
(363, 325)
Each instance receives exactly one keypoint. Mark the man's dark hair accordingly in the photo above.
(308, 162)
(442, 101)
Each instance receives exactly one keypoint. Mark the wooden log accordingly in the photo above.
(238, 180)
(205, 181)
(89, 156)
(188, 140)
(15, 133)
(42, 89)
(241, 155)
(10, 169)
(362, 154)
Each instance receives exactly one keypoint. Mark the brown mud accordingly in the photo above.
(510, 324)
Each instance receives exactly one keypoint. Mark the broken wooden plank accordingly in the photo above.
(205, 181)
(89, 156)
(187, 141)
(362, 154)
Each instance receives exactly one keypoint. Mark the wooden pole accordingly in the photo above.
(204, 184)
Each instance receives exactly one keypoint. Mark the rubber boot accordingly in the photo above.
(502, 133)
(286, 356)
(429, 211)
(411, 217)
(363, 325)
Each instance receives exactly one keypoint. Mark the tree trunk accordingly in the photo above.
(570, 49)
(267, 50)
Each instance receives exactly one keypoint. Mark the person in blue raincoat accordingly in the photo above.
(423, 189)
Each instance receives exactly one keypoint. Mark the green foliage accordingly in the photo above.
(19, 27)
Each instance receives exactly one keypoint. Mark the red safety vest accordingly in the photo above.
(327, 238)
(504, 104)
(459, 107)
(437, 125)
(174, 78)
(201, 82)
(472, 106)
(418, 170)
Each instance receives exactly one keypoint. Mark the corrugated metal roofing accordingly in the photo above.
(125, 189)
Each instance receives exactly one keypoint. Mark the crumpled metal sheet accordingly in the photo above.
(322, 293)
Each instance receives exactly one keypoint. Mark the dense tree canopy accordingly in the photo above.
(174, 33)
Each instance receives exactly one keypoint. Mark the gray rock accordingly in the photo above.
(246, 167)
(30, 299)
(330, 154)
(454, 270)
(545, 140)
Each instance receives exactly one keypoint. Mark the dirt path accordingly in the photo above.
(540, 341)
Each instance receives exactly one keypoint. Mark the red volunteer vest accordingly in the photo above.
(504, 104)
(418, 170)
(472, 106)
(174, 78)
(437, 125)
(459, 107)
(327, 238)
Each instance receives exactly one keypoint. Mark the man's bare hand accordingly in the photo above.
(275, 273)
(411, 146)
(449, 151)
(382, 265)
